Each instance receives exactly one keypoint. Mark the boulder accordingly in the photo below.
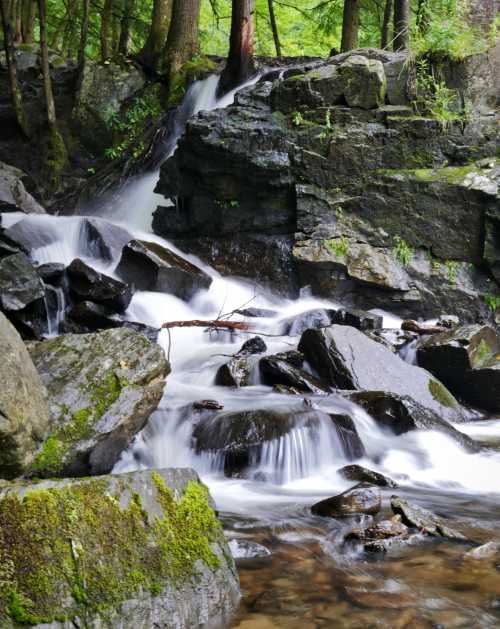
(364, 475)
(352, 446)
(131, 551)
(238, 371)
(401, 414)
(245, 549)
(297, 324)
(424, 520)
(149, 266)
(363, 82)
(31, 233)
(381, 536)
(8, 246)
(13, 190)
(359, 319)
(347, 359)
(254, 345)
(52, 273)
(87, 284)
(86, 316)
(466, 359)
(354, 501)
(103, 239)
(24, 413)
(279, 370)
(20, 284)
(102, 389)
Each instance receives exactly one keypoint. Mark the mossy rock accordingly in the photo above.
(134, 550)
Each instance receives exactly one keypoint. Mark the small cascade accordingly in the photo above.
(55, 306)
(409, 352)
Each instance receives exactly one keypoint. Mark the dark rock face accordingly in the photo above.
(104, 240)
(420, 518)
(87, 284)
(280, 370)
(149, 266)
(338, 184)
(347, 359)
(466, 361)
(358, 319)
(238, 371)
(401, 413)
(20, 284)
(364, 475)
(352, 502)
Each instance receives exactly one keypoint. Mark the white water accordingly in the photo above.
(298, 467)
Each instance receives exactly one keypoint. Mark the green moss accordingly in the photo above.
(441, 394)
(338, 246)
(55, 158)
(85, 547)
(481, 354)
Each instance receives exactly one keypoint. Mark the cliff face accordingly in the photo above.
(337, 176)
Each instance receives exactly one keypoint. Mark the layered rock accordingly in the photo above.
(14, 195)
(102, 389)
(128, 551)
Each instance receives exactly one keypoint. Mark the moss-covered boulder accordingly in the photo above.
(364, 83)
(102, 389)
(131, 551)
(24, 414)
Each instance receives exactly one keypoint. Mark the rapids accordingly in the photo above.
(300, 468)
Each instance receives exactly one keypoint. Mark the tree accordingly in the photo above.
(128, 14)
(182, 42)
(28, 20)
(386, 24)
(158, 31)
(350, 25)
(106, 19)
(274, 27)
(401, 24)
(15, 88)
(240, 63)
(83, 43)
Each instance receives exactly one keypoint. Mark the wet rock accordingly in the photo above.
(239, 370)
(382, 599)
(257, 312)
(13, 191)
(102, 389)
(364, 475)
(254, 345)
(52, 273)
(347, 359)
(8, 246)
(424, 520)
(467, 360)
(89, 317)
(211, 405)
(191, 577)
(87, 284)
(448, 321)
(278, 370)
(103, 239)
(20, 284)
(244, 549)
(148, 331)
(359, 319)
(351, 502)
(293, 326)
(363, 82)
(490, 550)
(352, 445)
(401, 413)
(380, 536)
(150, 266)
(24, 413)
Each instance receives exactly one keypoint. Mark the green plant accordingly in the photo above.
(328, 126)
(402, 251)
(451, 271)
(297, 118)
(339, 212)
(339, 246)
(492, 301)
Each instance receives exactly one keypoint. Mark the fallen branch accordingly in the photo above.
(195, 323)
(413, 326)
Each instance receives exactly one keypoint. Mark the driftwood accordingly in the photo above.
(413, 326)
(195, 323)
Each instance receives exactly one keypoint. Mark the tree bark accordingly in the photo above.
(106, 18)
(47, 83)
(16, 21)
(197, 323)
(182, 41)
(128, 14)
(274, 26)
(386, 24)
(401, 24)
(240, 64)
(158, 31)
(83, 43)
(28, 20)
(350, 25)
(15, 88)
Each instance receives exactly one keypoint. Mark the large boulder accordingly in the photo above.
(102, 389)
(20, 284)
(13, 191)
(238, 371)
(363, 82)
(24, 413)
(136, 550)
(149, 266)
(354, 501)
(467, 361)
(281, 369)
(86, 283)
(347, 359)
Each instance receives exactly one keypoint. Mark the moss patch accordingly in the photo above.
(441, 394)
(481, 354)
(84, 548)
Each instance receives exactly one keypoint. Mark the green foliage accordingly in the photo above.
(492, 301)
(328, 127)
(451, 271)
(297, 118)
(402, 251)
(339, 246)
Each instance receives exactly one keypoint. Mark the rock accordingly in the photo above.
(381, 536)
(466, 359)
(364, 475)
(257, 313)
(244, 549)
(347, 359)
(20, 284)
(133, 550)
(448, 321)
(363, 82)
(102, 389)
(8, 246)
(238, 371)
(401, 414)
(254, 345)
(52, 273)
(490, 550)
(31, 233)
(149, 266)
(24, 413)
(359, 319)
(352, 502)
(89, 317)
(211, 405)
(103, 239)
(13, 190)
(87, 284)
(424, 520)
(278, 370)
(296, 325)
(352, 446)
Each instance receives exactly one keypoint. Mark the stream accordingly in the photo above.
(311, 579)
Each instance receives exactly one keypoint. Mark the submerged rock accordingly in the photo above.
(244, 549)
(102, 389)
(24, 412)
(347, 359)
(131, 551)
(424, 520)
(149, 266)
(357, 500)
(87, 284)
(381, 536)
(490, 550)
(364, 475)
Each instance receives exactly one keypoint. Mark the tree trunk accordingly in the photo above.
(240, 64)
(386, 25)
(350, 25)
(274, 26)
(83, 43)
(422, 16)
(15, 88)
(182, 41)
(115, 30)
(157, 36)
(401, 24)
(28, 20)
(106, 18)
(16, 21)
(128, 14)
